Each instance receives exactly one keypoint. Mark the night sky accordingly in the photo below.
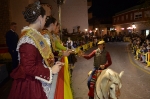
(106, 8)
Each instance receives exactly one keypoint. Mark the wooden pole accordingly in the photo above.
(59, 12)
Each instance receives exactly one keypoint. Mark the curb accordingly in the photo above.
(138, 64)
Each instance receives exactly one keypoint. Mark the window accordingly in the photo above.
(118, 19)
(147, 13)
(137, 15)
(131, 16)
(127, 17)
(114, 20)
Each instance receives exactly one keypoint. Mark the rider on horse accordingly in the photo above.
(102, 60)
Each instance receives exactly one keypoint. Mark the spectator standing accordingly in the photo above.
(11, 41)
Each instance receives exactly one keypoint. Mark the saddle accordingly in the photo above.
(93, 81)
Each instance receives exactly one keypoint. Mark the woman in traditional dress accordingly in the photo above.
(63, 89)
(33, 76)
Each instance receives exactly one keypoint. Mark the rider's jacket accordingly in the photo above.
(100, 58)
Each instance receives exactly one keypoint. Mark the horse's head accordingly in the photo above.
(116, 84)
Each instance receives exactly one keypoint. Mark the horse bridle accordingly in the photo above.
(109, 91)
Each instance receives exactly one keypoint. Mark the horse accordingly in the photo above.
(108, 85)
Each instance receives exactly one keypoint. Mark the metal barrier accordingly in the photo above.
(85, 47)
(147, 56)
(137, 54)
(6, 55)
(147, 59)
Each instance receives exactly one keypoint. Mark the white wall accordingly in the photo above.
(16, 9)
(48, 10)
(74, 13)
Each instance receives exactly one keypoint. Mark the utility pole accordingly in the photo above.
(59, 13)
(59, 3)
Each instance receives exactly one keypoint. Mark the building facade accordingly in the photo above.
(12, 12)
(90, 15)
(73, 13)
(132, 20)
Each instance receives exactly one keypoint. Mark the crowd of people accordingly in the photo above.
(115, 38)
(41, 61)
(140, 47)
(42, 70)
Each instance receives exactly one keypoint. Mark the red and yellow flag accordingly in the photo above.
(63, 88)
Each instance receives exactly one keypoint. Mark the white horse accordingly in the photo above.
(108, 85)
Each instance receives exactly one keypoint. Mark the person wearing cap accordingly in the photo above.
(102, 59)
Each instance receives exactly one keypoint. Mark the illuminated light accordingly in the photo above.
(133, 26)
(111, 29)
(102, 30)
(86, 30)
(122, 28)
(129, 28)
(96, 28)
(147, 32)
(90, 31)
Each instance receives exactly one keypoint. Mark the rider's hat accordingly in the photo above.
(101, 42)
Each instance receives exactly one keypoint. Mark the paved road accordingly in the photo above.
(136, 79)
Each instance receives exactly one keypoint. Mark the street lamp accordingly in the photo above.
(86, 30)
(96, 32)
(133, 27)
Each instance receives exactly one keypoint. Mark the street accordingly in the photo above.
(135, 81)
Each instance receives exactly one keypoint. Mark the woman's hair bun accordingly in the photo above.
(32, 11)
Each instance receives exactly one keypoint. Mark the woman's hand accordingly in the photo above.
(66, 53)
(56, 68)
